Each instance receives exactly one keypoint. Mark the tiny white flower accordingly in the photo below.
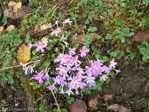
(16, 104)
(56, 22)
(67, 21)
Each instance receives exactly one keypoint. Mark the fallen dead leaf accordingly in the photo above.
(1, 30)
(92, 103)
(11, 4)
(118, 108)
(12, 62)
(17, 6)
(23, 54)
(40, 27)
(8, 12)
(107, 97)
(94, 37)
(80, 38)
(9, 28)
(45, 26)
(78, 106)
(142, 36)
(20, 14)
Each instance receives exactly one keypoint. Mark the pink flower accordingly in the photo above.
(90, 80)
(105, 69)
(75, 61)
(104, 77)
(80, 71)
(94, 65)
(62, 38)
(79, 77)
(39, 77)
(69, 92)
(56, 31)
(44, 41)
(88, 70)
(67, 58)
(40, 46)
(46, 76)
(112, 64)
(84, 51)
(51, 87)
(72, 51)
(30, 45)
(61, 69)
(82, 84)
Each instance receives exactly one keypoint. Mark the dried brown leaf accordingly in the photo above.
(78, 106)
(118, 108)
(23, 54)
(23, 11)
(8, 12)
(1, 30)
(80, 38)
(17, 7)
(94, 37)
(19, 14)
(142, 36)
(40, 27)
(12, 62)
(9, 28)
(11, 4)
(92, 103)
(107, 97)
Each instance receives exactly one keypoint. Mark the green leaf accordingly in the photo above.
(42, 108)
(76, 46)
(84, 15)
(34, 52)
(132, 56)
(64, 110)
(25, 22)
(108, 36)
(4, 19)
(99, 37)
(27, 40)
(60, 14)
(87, 21)
(145, 1)
(87, 44)
(108, 80)
(92, 29)
(105, 59)
(10, 79)
(123, 4)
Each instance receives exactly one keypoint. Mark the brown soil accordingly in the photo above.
(129, 88)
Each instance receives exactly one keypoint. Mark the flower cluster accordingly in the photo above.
(40, 45)
(40, 77)
(28, 68)
(71, 75)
